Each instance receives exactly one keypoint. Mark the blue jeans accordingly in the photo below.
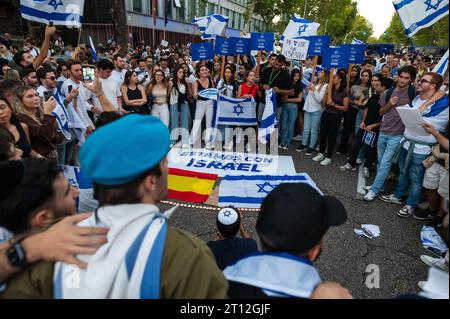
(359, 118)
(386, 148)
(311, 126)
(288, 118)
(412, 178)
(175, 120)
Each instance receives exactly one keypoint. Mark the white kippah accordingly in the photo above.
(227, 216)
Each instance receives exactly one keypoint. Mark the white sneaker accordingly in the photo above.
(421, 284)
(392, 199)
(367, 188)
(358, 161)
(285, 147)
(366, 173)
(280, 147)
(347, 167)
(319, 158)
(297, 138)
(326, 162)
(435, 262)
(406, 211)
(370, 196)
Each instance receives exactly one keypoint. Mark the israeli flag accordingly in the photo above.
(62, 117)
(68, 13)
(250, 191)
(230, 111)
(418, 14)
(94, 52)
(299, 27)
(356, 41)
(211, 26)
(269, 119)
(210, 94)
(442, 66)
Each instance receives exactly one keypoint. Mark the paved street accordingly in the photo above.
(345, 256)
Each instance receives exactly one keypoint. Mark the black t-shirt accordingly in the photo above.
(443, 150)
(373, 111)
(280, 79)
(229, 250)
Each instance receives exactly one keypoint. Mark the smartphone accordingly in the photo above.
(88, 73)
(50, 24)
(70, 88)
(47, 95)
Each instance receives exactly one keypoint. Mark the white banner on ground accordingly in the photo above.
(295, 49)
(227, 163)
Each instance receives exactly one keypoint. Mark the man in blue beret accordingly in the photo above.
(144, 258)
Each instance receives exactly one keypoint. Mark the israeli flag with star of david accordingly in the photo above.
(442, 66)
(418, 14)
(250, 191)
(68, 13)
(230, 111)
(211, 25)
(299, 27)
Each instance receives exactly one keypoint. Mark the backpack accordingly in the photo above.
(411, 93)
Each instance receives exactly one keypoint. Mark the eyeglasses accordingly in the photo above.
(422, 81)
(52, 78)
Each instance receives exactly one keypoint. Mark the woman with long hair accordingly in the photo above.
(42, 128)
(159, 90)
(204, 107)
(359, 95)
(19, 131)
(180, 94)
(216, 73)
(313, 112)
(331, 118)
(290, 109)
(133, 94)
(228, 83)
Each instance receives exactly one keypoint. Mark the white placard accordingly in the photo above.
(295, 49)
(413, 120)
(164, 43)
(177, 4)
(227, 163)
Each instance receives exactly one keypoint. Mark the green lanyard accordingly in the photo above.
(272, 80)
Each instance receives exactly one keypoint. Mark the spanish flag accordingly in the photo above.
(188, 186)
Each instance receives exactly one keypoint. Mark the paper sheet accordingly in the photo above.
(413, 120)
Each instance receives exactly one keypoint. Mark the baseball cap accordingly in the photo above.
(294, 217)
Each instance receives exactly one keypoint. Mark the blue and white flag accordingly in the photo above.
(269, 118)
(442, 66)
(210, 94)
(230, 111)
(211, 25)
(250, 191)
(93, 50)
(418, 14)
(299, 27)
(356, 41)
(68, 13)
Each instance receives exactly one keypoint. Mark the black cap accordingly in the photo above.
(11, 173)
(294, 218)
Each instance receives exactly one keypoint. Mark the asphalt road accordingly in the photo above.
(346, 257)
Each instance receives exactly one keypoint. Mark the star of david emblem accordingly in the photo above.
(265, 188)
(227, 213)
(208, 19)
(430, 5)
(238, 110)
(72, 182)
(302, 28)
(55, 4)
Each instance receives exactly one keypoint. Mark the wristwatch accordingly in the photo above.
(16, 254)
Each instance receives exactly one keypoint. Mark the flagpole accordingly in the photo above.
(79, 36)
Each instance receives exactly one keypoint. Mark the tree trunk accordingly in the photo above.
(119, 20)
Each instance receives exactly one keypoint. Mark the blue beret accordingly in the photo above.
(119, 152)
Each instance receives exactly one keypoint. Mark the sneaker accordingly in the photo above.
(358, 161)
(367, 188)
(285, 147)
(301, 148)
(366, 173)
(309, 152)
(424, 215)
(319, 158)
(406, 211)
(435, 262)
(297, 138)
(370, 196)
(347, 167)
(392, 199)
(280, 146)
(326, 162)
(421, 284)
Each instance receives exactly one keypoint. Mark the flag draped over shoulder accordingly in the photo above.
(211, 25)
(61, 12)
(442, 66)
(190, 186)
(230, 111)
(418, 14)
(250, 191)
(299, 27)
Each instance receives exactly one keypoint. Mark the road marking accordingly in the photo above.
(361, 182)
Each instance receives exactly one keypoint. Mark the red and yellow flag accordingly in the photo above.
(190, 186)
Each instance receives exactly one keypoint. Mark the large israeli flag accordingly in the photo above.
(210, 94)
(418, 14)
(250, 191)
(442, 66)
(231, 111)
(61, 12)
(211, 25)
(299, 27)
(269, 118)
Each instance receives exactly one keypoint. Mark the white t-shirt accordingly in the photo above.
(83, 103)
(118, 77)
(112, 92)
(313, 101)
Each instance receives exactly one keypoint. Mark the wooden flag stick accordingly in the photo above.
(313, 75)
(79, 36)
(258, 62)
(222, 67)
(330, 85)
(350, 67)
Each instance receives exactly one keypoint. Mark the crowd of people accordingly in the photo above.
(53, 112)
